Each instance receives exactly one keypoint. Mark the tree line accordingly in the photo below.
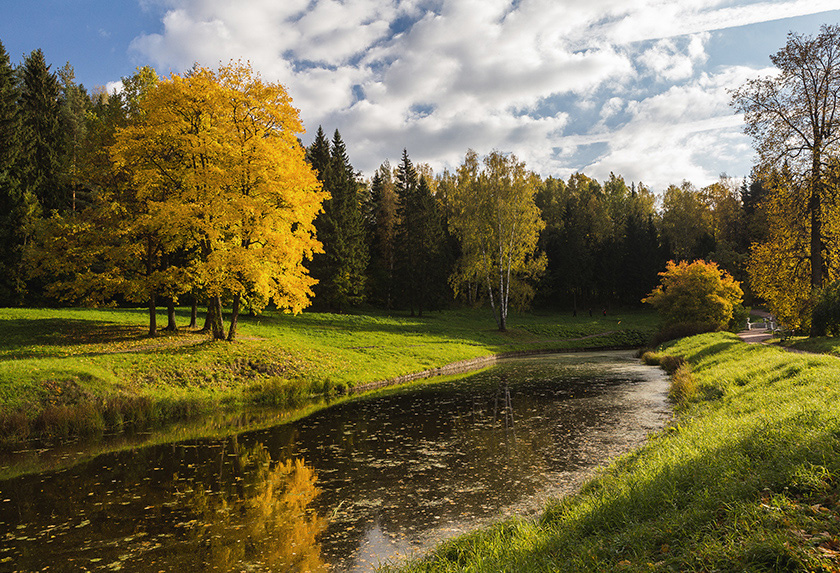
(196, 189)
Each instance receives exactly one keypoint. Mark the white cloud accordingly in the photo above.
(667, 60)
(488, 74)
(687, 132)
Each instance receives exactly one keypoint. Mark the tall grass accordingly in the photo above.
(747, 478)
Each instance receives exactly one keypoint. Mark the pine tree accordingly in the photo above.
(11, 197)
(41, 116)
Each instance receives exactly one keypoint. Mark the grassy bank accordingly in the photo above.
(73, 371)
(746, 479)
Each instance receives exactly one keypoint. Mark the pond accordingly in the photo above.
(354, 485)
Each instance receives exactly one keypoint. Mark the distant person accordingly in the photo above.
(605, 312)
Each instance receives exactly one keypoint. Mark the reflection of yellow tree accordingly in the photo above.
(264, 520)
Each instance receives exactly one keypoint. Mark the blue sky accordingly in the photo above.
(635, 87)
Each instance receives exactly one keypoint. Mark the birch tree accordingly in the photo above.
(494, 216)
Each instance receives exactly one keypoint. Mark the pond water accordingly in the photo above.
(360, 483)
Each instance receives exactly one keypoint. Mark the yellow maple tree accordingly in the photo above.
(216, 159)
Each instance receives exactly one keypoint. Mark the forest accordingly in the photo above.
(196, 190)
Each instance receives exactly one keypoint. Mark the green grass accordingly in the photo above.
(746, 478)
(78, 371)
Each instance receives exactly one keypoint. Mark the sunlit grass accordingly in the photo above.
(747, 478)
(54, 362)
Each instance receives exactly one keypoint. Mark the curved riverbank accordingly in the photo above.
(747, 478)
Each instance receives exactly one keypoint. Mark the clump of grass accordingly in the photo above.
(650, 358)
(669, 363)
(683, 386)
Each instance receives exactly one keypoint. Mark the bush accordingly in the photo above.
(696, 293)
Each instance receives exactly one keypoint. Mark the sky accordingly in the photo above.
(639, 88)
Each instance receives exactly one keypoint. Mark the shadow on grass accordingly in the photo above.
(20, 332)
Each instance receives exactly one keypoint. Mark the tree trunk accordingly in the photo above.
(816, 243)
(194, 312)
(170, 315)
(152, 315)
(815, 208)
(208, 317)
(234, 319)
(218, 324)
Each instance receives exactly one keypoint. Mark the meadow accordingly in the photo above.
(68, 372)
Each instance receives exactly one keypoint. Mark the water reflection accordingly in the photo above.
(383, 478)
(261, 516)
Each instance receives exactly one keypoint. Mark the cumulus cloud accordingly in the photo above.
(686, 132)
(670, 61)
(441, 76)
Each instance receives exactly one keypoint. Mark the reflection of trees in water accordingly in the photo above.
(261, 516)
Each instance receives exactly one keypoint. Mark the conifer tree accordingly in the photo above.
(41, 117)
(340, 269)
(349, 253)
(75, 105)
(382, 228)
(406, 236)
(422, 259)
(11, 194)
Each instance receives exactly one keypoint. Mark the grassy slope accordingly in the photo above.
(746, 479)
(55, 361)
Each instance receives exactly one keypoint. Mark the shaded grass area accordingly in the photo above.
(69, 372)
(746, 478)
(819, 344)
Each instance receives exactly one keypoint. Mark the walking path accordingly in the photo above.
(759, 334)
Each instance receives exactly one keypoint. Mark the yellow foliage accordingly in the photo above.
(780, 267)
(697, 292)
(216, 163)
(494, 215)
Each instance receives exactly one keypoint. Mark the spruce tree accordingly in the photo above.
(340, 269)
(41, 116)
(433, 259)
(11, 197)
(349, 252)
(423, 260)
(406, 239)
(382, 228)
(75, 106)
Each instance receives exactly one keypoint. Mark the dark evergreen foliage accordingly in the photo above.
(42, 133)
(11, 192)
(423, 256)
(340, 269)
(381, 222)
